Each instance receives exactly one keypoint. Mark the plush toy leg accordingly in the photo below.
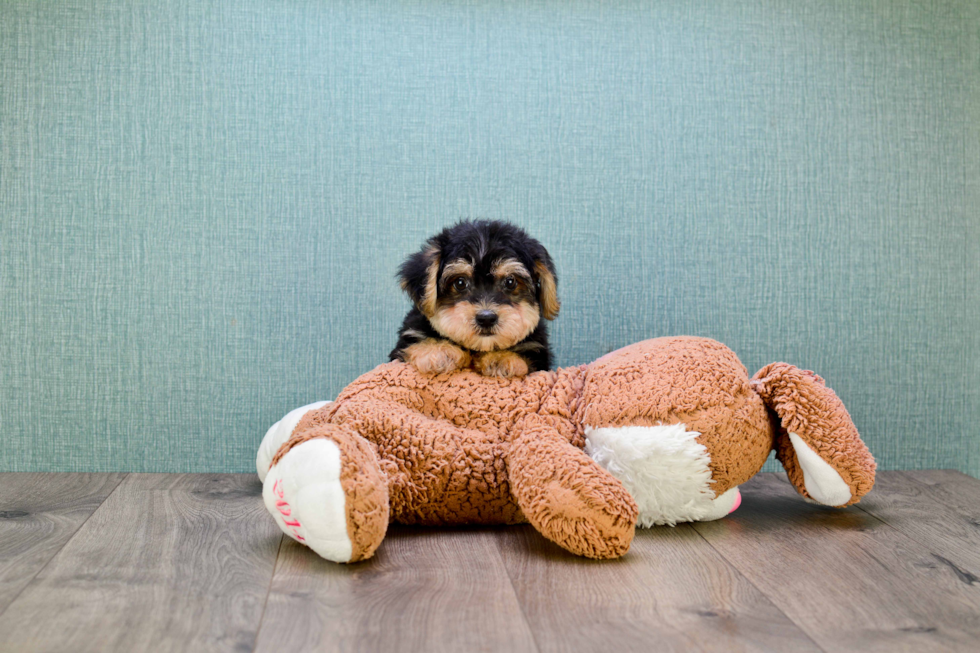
(438, 473)
(567, 496)
(817, 442)
(325, 489)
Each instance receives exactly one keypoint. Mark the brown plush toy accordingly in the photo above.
(659, 432)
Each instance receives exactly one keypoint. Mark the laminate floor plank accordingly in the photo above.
(39, 512)
(424, 590)
(169, 562)
(949, 477)
(174, 562)
(943, 517)
(671, 592)
(959, 492)
(847, 578)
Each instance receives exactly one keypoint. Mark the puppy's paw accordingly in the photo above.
(504, 364)
(433, 356)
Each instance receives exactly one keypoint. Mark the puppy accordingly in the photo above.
(480, 290)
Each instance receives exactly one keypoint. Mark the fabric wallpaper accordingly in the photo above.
(203, 204)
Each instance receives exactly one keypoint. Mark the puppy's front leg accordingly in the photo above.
(432, 356)
(501, 363)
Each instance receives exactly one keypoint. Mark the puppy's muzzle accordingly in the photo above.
(486, 319)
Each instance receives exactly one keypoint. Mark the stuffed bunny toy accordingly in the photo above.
(659, 432)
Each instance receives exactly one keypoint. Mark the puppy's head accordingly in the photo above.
(484, 284)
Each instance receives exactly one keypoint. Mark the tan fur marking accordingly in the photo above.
(549, 291)
(414, 333)
(458, 323)
(427, 304)
(457, 268)
(509, 266)
(505, 364)
(433, 356)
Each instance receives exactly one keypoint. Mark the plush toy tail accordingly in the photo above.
(816, 441)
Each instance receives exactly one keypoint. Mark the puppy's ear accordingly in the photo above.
(418, 276)
(547, 279)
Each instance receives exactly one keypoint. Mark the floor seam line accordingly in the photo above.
(520, 604)
(268, 592)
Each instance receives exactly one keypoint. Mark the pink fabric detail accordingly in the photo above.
(738, 502)
(283, 506)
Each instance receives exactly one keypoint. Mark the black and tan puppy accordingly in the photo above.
(480, 291)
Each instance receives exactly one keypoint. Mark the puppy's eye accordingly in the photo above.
(510, 283)
(460, 284)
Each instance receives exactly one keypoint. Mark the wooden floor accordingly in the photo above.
(159, 562)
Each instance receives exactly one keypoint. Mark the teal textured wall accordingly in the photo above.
(202, 204)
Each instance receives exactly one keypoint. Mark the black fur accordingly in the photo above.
(481, 242)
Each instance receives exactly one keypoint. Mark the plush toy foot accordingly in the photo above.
(326, 490)
(817, 443)
(723, 505)
(277, 434)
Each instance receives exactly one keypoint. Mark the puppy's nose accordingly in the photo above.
(486, 319)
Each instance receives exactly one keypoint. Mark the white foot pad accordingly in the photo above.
(279, 433)
(304, 494)
(822, 481)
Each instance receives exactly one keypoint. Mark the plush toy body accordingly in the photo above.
(659, 432)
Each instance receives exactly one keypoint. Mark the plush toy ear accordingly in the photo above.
(817, 442)
(418, 276)
(544, 269)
